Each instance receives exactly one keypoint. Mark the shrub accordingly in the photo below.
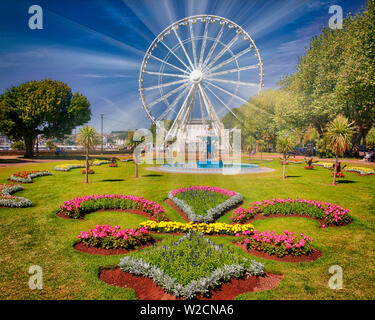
(78, 207)
(109, 237)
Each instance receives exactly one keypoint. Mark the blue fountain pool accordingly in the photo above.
(210, 167)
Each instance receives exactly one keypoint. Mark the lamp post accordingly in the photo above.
(101, 116)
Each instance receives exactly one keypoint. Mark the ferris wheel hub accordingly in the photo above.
(196, 76)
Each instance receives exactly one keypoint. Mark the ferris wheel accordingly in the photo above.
(198, 69)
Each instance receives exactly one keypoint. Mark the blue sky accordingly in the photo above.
(97, 46)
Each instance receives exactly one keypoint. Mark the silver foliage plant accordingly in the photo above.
(30, 177)
(68, 168)
(75, 166)
(18, 202)
(140, 267)
(212, 213)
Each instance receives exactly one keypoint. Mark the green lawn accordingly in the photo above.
(36, 236)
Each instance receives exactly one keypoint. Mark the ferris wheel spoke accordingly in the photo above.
(221, 53)
(176, 56)
(164, 85)
(224, 104)
(210, 110)
(172, 130)
(169, 64)
(213, 47)
(189, 109)
(227, 92)
(203, 44)
(238, 55)
(193, 43)
(167, 74)
(183, 48)
(249, 84)
(173, 104)
(254, 66)
(201, 105)
(167, 95)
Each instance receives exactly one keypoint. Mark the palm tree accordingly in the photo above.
(339, 135)
(285, 143)
(88, 137)
(261, 144)
(133, 143)
(249, 144)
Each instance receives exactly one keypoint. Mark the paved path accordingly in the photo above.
(15, 161)
(356, 161)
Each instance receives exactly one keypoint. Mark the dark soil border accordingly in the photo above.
(146, 289)
(315, 255)
(108, 252)
(134, 211)
(185, 217)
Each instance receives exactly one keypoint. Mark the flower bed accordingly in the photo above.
(309, 167)
(89, 171)
(8, 200)
(327, 165)
(109, 237)
(339, 175)
(286, 244)
(204, 203)
(113, 165)
(78, 207)
(68, 167)
(363, 171)
(97, 162)
(291, 161)
(190, 266)
(206, 228)
(27, 176)
(327, 213)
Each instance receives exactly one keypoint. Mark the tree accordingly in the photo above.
(51, 145)
(371, 138)
(249, 143)
(286, 141)
(45, 107)
(337, 76)
(18, 145)
(261, 144)
(133, 143)
(88, 137)
(264, 115)
(339, 134)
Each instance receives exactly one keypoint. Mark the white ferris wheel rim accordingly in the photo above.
(192, 73)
